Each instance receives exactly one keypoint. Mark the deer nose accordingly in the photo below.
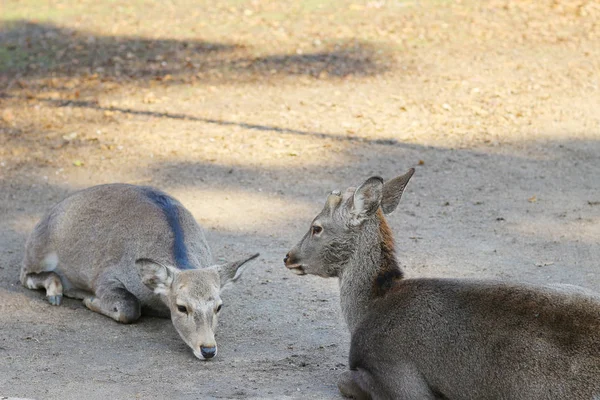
(208, 352)
(287, 257)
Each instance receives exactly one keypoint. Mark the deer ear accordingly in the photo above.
(366, 199)
(231, 272)
(392, 191)
(156, 276)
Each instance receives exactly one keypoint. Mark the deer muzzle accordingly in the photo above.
(292, 264)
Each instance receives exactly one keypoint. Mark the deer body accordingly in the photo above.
(124, 250)
(476, 340)
(444, 338)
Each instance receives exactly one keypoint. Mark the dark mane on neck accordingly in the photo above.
(389, 271)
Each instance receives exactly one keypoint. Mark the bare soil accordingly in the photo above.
(250, 112)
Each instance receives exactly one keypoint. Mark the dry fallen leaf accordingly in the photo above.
(70, 136)
(149, 98)
(532, 199)
(544, 264)
(8, 116)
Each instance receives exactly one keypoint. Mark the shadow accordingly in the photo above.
(21, 204)
(459, 217)
(42, 62)
(43, 50)
(185, 117)
(477, 213)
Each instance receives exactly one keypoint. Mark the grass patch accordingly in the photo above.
(39, 10)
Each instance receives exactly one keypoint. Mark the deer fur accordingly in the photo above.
(128, 250)
(415, 339)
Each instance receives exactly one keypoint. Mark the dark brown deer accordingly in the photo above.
(444, 338)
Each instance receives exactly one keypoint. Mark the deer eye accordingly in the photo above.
(316, 229)
(219, 308)
(182, 309)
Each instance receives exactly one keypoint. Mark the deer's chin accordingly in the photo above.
(297, 269)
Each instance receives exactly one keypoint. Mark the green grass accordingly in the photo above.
(38, 10)
(13, 58)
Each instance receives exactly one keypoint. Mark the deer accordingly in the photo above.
(126, 251)
(444, 338)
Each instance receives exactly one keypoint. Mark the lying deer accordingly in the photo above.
(126, 250)
(444, 338)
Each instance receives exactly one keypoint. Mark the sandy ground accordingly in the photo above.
(250, 113)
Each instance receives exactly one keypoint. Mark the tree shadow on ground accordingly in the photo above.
(43, 50)
(94, 105)
(556, 223)
(435, 214)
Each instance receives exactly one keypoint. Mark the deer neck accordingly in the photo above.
(370, 273)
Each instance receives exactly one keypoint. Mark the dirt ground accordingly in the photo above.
(250, 112)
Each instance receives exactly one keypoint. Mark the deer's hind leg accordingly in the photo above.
(115, 302)
(46, 280)
(349, 387)
(360, 384)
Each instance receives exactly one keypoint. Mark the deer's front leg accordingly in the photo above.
(116, 303)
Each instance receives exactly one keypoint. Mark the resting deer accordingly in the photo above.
(444, 338)
(126, 250)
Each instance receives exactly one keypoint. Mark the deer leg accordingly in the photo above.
(408, 385)
(349, 387)
(74, 293)
(46, 280)
(116, 303)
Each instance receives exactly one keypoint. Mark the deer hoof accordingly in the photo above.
(55, 300)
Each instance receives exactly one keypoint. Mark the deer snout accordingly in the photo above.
(291, 258)
(208, 352)
(291, 263)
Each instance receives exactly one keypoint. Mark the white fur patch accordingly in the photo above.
(53, 289)
(50, 262)
(30, 284)
(160, 289)
(239, 272)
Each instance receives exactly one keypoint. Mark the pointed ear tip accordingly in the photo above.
(243, 261)
(409, 174)
(250, 258)
(406, 176)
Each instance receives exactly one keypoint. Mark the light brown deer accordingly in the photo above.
(126, 250)
(444, 338)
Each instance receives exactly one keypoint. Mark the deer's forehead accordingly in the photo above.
(198, 285)
(348, 193)
(198, 301)
(335, 204)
